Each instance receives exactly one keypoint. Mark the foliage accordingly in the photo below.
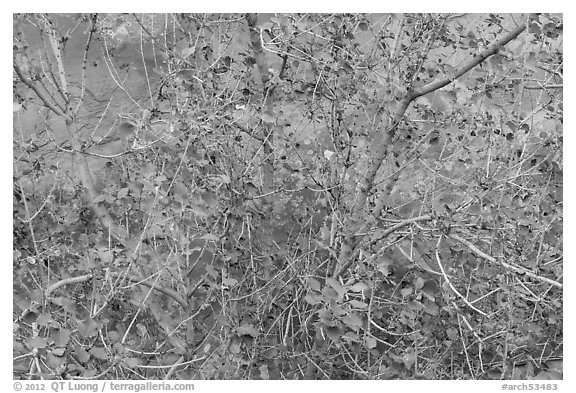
(288, 196)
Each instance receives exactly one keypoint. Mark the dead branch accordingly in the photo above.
(166, 291)
(68, 281)
(450, 283)
(493, 260)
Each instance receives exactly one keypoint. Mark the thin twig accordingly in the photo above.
(28, 220)
(464, 347)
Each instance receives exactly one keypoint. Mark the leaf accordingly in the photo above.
(59, 351)
(105, 256)
(61, 337)
(264, 372)
(235, 346)
(429, 290)
(330, 293)
(266, 118)
(328, 154)
(409, 358)
(122, 192)
(148, 170)
(37, 342)
(179, 190)
(81, 354)
(99, 198)
(141, 329)
(353, 321)
(118, 348)
(384, 264)
(313, 284)
(54, 361)
(221, 69)
(132, 362)
(223, 179)
(359, 286)
(99, 353)
(212, 271)
(548, 375)
(358, 304)
(452, 334)
(126, 130)
(88, 328)
(415, 306)
(200, 211)
(370, 342)
(337, 286)
(312, 299)
(247, 330)
(44, 319)
(431, 308)
(187, 52)
(406, 291)
(334, 332)
(229, 282)
(350, 336)
(210, 199)
(450, 71)
(211, 237)
(326, 317)
(418, 283)
(64, 302)
(178, 344)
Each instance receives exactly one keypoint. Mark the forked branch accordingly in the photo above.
(381, 148)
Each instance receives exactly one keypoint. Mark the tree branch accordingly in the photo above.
(381, 148)
(477, 59)
(452, 287)
(59, 61)
(68, 281)
(35, 89)
(68, 115)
